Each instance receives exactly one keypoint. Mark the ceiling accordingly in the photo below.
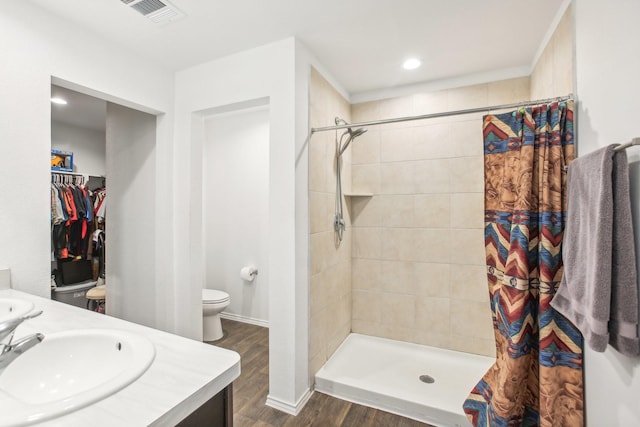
(81, 110)
(362, 43)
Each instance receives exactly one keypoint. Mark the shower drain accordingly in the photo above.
(427, 379)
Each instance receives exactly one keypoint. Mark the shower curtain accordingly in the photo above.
(537, 377)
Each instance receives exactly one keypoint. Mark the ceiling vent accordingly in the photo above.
(158, 11)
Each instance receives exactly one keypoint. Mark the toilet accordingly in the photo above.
(213, 302)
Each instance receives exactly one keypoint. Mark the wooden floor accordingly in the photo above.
(250, 391)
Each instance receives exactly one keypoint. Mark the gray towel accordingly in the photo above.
(598, 292)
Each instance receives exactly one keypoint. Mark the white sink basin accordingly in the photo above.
(11, 308)
(70, 370)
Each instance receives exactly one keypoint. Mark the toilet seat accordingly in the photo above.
(214, 296)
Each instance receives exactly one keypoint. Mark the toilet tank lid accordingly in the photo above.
(214, 295)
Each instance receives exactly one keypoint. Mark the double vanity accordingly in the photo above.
(91, 369)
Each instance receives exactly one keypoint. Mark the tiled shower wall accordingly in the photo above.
(418, 256)
(553, 73)
(330, 297)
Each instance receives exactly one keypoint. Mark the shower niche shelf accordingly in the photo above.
(358, 194)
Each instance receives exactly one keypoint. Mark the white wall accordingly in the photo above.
(607, 70)
(236, 203)
(265, 72)
(38, 49)
(130, 220)
(87, 146)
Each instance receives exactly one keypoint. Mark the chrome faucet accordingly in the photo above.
(10, 351)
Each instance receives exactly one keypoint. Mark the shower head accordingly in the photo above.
(353, 134)
(357, 132)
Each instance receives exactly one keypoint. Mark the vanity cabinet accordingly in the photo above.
(216, 412)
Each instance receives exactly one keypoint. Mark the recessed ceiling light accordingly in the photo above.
(411, 64)
(60, 101)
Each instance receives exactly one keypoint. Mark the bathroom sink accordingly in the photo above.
(11, 308)
(70, 370)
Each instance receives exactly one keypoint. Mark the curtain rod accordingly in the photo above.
(443, 114)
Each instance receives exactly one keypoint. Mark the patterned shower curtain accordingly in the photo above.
(537, 377)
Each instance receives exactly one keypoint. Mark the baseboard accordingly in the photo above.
(287, 407)
(244, 319)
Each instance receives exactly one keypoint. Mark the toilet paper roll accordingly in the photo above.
(248, 273)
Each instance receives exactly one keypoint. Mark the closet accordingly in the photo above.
(78, 196)
(108, 139)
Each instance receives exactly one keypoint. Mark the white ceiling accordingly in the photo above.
(362, 43)
(81, 110)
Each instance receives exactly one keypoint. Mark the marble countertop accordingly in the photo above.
(183, 376)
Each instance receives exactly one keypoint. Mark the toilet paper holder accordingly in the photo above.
(249, 273)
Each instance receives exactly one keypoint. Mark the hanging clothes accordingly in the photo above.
(71, 218)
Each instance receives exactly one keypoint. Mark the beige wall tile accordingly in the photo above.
(471, 319)
(431, 245)
(467, 210)
(431, 338)
(399, 333)
(467, 247)
(330, 265)
(365, 327)
(366, 111)
(316, 362)
(365, 211)
(317, 113)
(397, 276)
(324, 253)
(542, 76)
(469, 282)
(432, 210)
(433, 141)
(365, 178)
(432, 176)
(399, 310)
(334, 319)
(397, 178)
(346, 175)
(466, 138)
(330, 200)
(332, 287)
(318, 162)
(367, 306)
(509, 91)
(397, 144)
(318, 212)
(317, 263)
(398, 243)
(318, 333)
(432, 280)
(484, 347)
(397, 107)
(433, 314)
(345, 248)
(467, 174)
(430, 102)
(339, 335)
(344, 278)
(475, 96)
(562, 45)
(317, 294)
(366, 274)
(366, 148)
(396, 211)
(367, 243)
